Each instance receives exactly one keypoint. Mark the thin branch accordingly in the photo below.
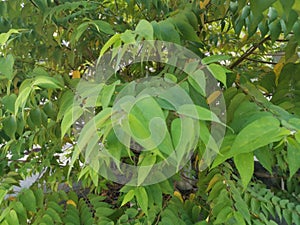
(214, 20)
(248, 52)
(283, 40)
(261, 61)
(33, 3)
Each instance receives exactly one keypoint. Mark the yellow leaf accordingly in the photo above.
(192, 197)
(178, 195)
(213, 181)
(11, 198)
(213, 96)
(71, 202)
(204, 3)
(278, 67)
(75, 74)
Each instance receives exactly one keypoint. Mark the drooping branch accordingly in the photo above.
(248, 52)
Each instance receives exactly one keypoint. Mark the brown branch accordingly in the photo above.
(248, 52)
(33, 3)
(261, 61)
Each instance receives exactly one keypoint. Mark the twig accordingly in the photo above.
(261, 61)
(248, 52)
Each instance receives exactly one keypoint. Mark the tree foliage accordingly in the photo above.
(47, 47)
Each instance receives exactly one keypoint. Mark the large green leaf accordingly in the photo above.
(142, 198)
(219, 72)
(257, 134)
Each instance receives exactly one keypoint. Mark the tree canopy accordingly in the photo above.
(150, 111)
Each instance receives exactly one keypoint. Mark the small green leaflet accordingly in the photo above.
(109, 43)
(219, 72)
(245, 165)
(257, 134)
(198, 112)
(128, 197)
(47, 82)
(5, 36)
(293, 156)
(142, 198)
(145, 167)
(6, 67)
(145, 29)
(69, 119)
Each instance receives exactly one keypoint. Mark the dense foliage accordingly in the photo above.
(47, 47)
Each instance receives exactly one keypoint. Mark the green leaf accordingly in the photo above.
(12, 218)
(142, 198)
(109, 43)
(257, 134)
(198, 81)
(245, 165)
(65, 102)
(222, 217)
(198, 112)
(265, 158)
(6, 67)
(47, 219)
(20, 210)
(128, 197)
(5, 36)
(47, 82)
(69, 119)
(103, 26)
(215, 58)
(296, 29)
(10, 126)
(88, 133)
(186, 30)
(145, 30)
(2, 194)
(128, 37)
(275, 30)
(219, 72)
(54, 215)
(39, 195)
(145, 167)
(258, 6)
(107, 93)
(9, 102)
(28, 199)
(293, 156)
(297, 136)
(80, 30)
(168, 32)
